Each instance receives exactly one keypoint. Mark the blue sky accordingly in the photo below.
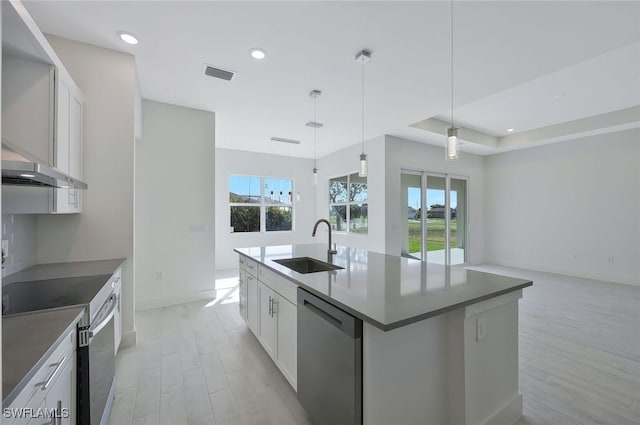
(434, 196)
(242, 184)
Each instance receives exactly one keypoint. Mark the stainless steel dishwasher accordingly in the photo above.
(329, 362)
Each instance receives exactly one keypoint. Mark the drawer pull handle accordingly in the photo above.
(44, 385)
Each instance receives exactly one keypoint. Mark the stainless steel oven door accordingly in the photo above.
(102, 362)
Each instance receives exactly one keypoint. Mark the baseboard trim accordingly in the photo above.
(148, 304)
(565, 272)
(508, 414)
(129, 339)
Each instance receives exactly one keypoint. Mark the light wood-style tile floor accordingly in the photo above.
(199, 364)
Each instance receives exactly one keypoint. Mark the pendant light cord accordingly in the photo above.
(451, 63)
(315, 130)
(362, 105)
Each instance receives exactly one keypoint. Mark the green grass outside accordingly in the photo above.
(435, 234)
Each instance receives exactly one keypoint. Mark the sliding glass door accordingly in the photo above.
(434, 214)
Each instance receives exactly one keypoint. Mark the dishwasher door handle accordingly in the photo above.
(339, 318)
(326, 316)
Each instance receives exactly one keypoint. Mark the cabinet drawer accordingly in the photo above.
(251, 266)
(281, 285)
(33, 392)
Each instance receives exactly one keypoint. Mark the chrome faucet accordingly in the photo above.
(315, 227)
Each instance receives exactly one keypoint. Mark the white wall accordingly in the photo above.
(230, 162)
(347, 161)
(568, 207)
(406, 154)
(174, 210)
(105, 228)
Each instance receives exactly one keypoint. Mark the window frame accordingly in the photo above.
(347, 204)
(265, 202)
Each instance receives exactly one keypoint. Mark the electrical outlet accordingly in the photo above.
(481, 328)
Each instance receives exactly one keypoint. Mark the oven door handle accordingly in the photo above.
(94, 329)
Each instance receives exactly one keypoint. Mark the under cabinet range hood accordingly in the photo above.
(19, 171)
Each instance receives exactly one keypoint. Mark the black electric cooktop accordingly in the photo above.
(21, 297)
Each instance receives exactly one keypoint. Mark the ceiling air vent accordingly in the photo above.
(223, 74)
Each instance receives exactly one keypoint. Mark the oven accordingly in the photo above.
(96, 366)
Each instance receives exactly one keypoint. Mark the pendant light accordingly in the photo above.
(315, 94)
(451, 150)
(363, 57)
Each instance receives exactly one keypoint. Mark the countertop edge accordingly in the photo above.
(16, 277)
(399, 323)
(10, 398)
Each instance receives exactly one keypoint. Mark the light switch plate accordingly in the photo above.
(481, 328)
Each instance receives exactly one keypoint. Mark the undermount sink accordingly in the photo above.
(306, 265)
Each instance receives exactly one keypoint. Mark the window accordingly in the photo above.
(348, 204)
(259, 204)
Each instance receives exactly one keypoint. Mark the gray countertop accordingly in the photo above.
(385, 290)
(62, 270)
(27, 341)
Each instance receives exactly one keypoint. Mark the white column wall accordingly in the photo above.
(174, 207)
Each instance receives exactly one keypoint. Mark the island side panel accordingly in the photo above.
(491, 363)
(405, 373)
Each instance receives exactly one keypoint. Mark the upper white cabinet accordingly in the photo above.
(42, 113)
(68, 142)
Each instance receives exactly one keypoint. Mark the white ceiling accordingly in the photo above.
(512, 58)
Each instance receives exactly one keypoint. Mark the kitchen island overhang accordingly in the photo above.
(440, 344)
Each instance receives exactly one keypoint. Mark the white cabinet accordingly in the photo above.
(68, 143)
(278, 330)
(242, 294)
(268, 305)
(287, 337)
(42, 114)
(52, 387)
(117, 317)
(248, 293)
(61, 395)
(252, 303)
(267, 325)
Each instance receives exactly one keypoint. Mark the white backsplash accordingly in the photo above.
(20, 231)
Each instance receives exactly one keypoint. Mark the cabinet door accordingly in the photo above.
(68, 146)
(75, 136)
(60, 394)
(61, 146)
(252, 303)
(267, 323)
(242, 292)
(287, 334)
(117, 317)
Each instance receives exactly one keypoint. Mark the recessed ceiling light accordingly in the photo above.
(258, 53)
(510, 130)
(127, 37)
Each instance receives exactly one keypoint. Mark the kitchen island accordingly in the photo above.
(439, 344)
